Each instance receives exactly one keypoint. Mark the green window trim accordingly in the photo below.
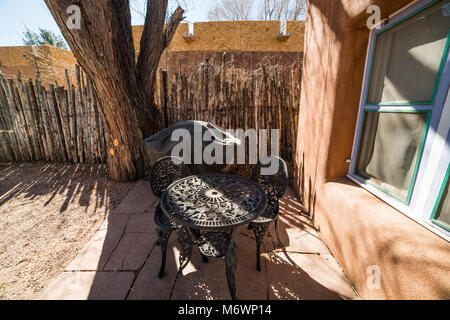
(438, 76)
(406, 201)
(432, 3)
(438, 202)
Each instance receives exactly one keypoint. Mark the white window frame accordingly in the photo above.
(436, 149)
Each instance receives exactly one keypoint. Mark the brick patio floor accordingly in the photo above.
(122, 261)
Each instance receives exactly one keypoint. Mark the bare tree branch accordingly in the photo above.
(134, 5)
(172, 26)
(231, 10)
(235, 10)
(282, 10)
(175, 4)
(155, 38)
(298, 11)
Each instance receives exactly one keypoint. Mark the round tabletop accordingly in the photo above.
(213, 201)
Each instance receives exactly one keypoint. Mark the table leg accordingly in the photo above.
(185, 240)
(260, 230)
(230, 265)
(197, 235)
(163, 238)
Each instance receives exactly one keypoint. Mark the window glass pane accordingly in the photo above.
(408, 56)
(443, 211)
(389, 149)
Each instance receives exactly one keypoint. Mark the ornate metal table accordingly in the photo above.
(218, 203)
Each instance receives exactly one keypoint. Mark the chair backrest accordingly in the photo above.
(164, 172)
(273, 185)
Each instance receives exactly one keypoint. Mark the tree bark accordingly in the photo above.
(104, 49)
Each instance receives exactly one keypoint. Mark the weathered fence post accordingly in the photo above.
(164, 96)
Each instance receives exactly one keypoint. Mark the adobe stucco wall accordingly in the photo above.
(51, 62)
(234, 36)
(15, 59)
(247, 43)
(360, 229)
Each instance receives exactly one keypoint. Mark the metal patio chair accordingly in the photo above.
(162, 174)
(274, 186)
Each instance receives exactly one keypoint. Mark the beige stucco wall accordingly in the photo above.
(15, 59)
(234, 36)
(51, 63)
(361, 230)
(209, 37)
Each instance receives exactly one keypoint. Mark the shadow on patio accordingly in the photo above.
(48, 211)
(122, 262)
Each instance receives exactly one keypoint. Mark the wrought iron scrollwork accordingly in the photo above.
(217, 203)
(214, 244)
(214, 201)
(165, 171)
(260, 230)
(274, 186)
(270, 214)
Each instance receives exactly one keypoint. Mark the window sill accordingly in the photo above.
(346, 194)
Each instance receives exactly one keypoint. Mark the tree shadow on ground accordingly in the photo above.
(47, 213)
(85, 183)
(130, 247)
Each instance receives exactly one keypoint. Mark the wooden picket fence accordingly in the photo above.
(51, 124)
(234, 98)
(58, 124)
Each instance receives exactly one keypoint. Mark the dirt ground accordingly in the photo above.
(47, 213)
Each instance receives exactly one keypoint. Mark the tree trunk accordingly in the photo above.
(104, 48)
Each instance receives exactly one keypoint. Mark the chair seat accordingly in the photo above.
(270, 214)
(162, 222)
(214, 244)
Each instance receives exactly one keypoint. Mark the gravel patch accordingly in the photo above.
(47, 213)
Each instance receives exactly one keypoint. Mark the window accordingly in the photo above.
(441, 212)
(390, 150)
(398, 147)
(408, 58)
